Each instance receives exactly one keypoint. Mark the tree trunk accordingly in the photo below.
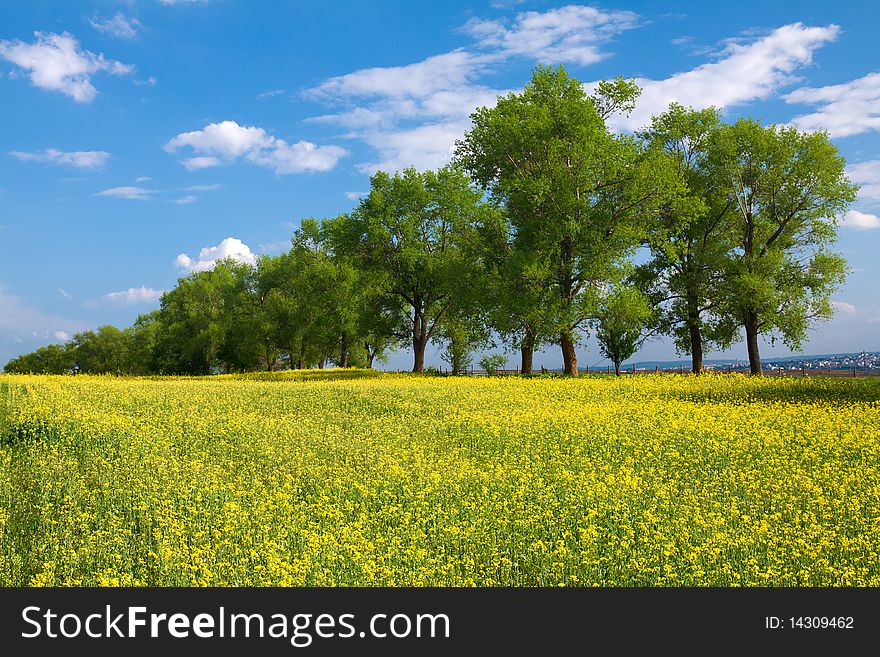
(321, 363)
(419, 355)
(569, 357)
(419, 338)
(751, 326)
(371, 354)
(302, 356)
(617, 368)
(696, 338)
(527, 349)
(344, 356)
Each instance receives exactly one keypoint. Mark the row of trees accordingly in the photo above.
(528, 239)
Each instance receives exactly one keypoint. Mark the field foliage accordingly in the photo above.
(347, 478)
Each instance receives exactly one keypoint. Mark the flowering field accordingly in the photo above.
(356, 478)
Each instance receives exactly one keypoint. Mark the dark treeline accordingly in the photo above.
(528, 239)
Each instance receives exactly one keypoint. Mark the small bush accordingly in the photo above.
(492, 362)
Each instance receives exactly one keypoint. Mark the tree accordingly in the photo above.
(578, 195)
(515, 285)
(690, 238)
(51, 359)
(623, 316)
(787, 189)
(191, 314)
(407, 234)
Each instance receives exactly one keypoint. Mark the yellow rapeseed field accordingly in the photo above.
(360, 478)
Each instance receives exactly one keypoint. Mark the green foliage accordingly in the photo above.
(491, 363)
(408, 234)
(574, 191)
(787, 190)
(624, 314)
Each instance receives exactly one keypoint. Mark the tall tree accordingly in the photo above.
(577, 194)
(516, 282)
(621, 324)
(690, 238)
(788, 189)
(407, 233)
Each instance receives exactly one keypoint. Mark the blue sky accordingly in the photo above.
(142, 140)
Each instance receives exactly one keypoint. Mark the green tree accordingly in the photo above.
(515, 285)
(690, 238)
(51, 359)
(407, 234)
(621, 323)
(788, 189)
(577, 194)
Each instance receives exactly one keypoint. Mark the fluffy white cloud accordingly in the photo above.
(80, 159)
(399, 110)
(227, 141)
(744, 72)
(169, 3)
(189, 198)
(424, 147)
(845, 109)
(142, 179)
(843, 307)
(380, 104)
(56, 62)
(203, 188)
(861, 220)
(231, 247)
(202, 162)
(135, 295)
(867, 176)
(567, 34)
(354, 196)
(61, 335)
(118, 26)
(129, 193)
(447, 71)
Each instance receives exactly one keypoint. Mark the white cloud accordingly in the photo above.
(80, 159)
(227, 141)
(447, 71)
(354, 196)
(118, 26)
(135, 295)
(424, 147)
(169, 3)
(56, 62)
(380, 104)
(61, 335)
(130, 193)
(203, 162)
(189, 198)
(142, 179)
(867, 176)
(412, 114)
(231, 247)
(843, 307)
(845, 109)
(567, 34)
(203, 188)
(270, 94)
(861, 220)
(65, 293)
(744, 72)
